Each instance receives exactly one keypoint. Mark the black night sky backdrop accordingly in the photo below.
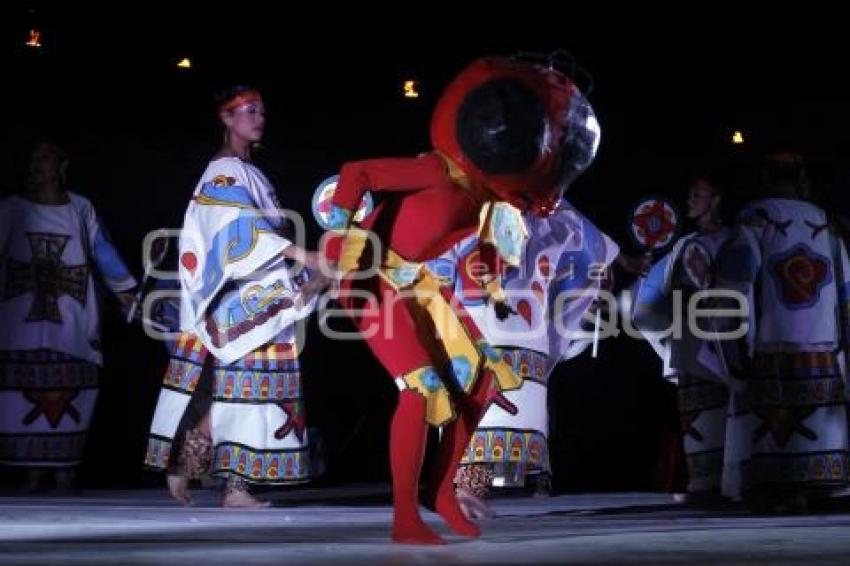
(139, 129)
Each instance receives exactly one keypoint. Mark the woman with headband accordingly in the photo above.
(231, 400)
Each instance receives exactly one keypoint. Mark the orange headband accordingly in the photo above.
(240, 99)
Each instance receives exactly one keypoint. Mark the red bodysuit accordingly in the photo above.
(505, 130)
(421, 213)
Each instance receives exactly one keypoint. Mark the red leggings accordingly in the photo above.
(395, 338)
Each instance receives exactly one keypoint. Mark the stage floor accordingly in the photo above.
(351, 525)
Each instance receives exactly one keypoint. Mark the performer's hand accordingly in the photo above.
(126, 300)
(636, 265)
(503, 309)
(311, 260)
(312, 288)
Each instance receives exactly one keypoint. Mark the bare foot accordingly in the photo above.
(36, 481)
(542, 485)
(473, 507)
(178, 487)
(795, 504)
(244, 500)
(66, 482)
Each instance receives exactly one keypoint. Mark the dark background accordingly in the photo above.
(669, 91)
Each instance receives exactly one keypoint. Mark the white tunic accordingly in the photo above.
(48, 298)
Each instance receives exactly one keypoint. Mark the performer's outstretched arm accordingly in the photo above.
(380, 175)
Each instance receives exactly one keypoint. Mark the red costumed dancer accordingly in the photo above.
(508, 135)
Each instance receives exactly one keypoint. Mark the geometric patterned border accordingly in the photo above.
(267, 466)
(47, 370)
(497, 445)
(55, 449)
(778, 469)
(527, 364)
(247, 385)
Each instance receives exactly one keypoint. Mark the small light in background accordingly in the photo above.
(35, 39)
(185, 63)
(737, 137)
(410, 89)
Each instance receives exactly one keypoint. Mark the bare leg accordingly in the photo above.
(193, 460)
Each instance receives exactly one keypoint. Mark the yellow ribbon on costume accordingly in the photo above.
(438, 325)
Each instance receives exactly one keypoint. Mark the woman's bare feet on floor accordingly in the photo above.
(473, 507)
(244, 500)
(178, 487)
